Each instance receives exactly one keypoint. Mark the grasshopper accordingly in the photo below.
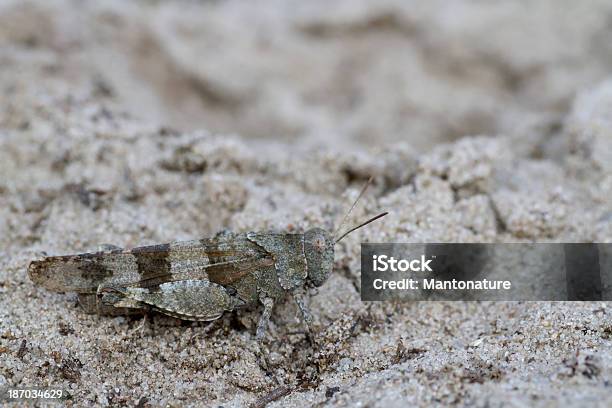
(198, 280)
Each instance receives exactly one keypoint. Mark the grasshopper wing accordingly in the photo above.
(221, 260)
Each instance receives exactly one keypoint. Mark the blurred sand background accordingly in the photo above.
(143, 122)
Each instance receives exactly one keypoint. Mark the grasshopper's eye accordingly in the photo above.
(319, 244)
(319, 252)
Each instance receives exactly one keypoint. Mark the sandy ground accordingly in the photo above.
(148, 122)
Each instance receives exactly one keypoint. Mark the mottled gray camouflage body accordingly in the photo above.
(193, 280)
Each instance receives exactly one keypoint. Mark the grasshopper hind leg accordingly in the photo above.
(111, 297)
(91, 304)
(197, 300)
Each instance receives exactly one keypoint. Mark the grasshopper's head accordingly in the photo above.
(319, 251)
(319, 246)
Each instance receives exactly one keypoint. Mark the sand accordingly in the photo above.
(149, 122)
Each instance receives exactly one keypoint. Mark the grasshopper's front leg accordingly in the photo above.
(300, 298)
(268, 304)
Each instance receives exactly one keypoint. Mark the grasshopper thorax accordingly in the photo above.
(319, 252)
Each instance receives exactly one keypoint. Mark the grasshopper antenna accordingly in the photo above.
(363, 190)
(360, 225)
